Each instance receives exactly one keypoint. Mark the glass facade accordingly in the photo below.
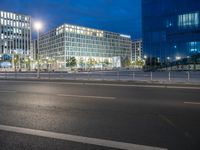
(15, 30)
(84, 43)
(171, 28)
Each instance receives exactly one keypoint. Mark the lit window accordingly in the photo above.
(2, 21)
(2, 37)
(188, 20)
(4, 14)
(194, 47)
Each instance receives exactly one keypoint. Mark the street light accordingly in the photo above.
(38, 27)
(178, 58)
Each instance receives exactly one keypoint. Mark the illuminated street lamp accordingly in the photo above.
(38, 27)
(178, 58)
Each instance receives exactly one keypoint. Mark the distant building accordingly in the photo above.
(15, 33)
(137, 50)
(85, 44)
(171, 28)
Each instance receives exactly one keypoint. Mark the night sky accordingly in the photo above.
(123, 16)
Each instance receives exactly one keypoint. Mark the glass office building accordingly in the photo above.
(84, 43)
(171, 28)
(15, 35)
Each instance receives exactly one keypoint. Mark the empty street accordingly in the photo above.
(59, 115)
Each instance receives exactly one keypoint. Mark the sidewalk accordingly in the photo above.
(109, 82)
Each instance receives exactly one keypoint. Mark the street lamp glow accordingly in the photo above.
(38, 25)
(178, 57)
(168, 58)
(145, 57)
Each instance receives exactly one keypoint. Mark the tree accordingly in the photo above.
(91, 62)
(81, 62)
(139, 63)
(126, 62)
(105, 63)
(16, 61)
(71, 62)
(27, 61)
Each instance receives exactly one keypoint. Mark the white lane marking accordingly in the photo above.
(192, 103)
(83, 96)
(79, 139)
(110, 84)
(8, 91)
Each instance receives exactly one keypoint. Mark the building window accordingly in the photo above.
(188, 20)
(194, 47)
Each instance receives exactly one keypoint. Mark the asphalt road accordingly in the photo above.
(142, 116)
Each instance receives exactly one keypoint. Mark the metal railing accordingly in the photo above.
(167, 76)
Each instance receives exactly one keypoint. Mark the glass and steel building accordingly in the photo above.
(137, 50)
(15, 35)
(84, 43)
(171, 28)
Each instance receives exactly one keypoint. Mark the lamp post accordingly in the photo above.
(38, 27)
(145, 62)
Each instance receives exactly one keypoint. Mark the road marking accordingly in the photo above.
(8, 91)
(192, 103)
(83, 96)
(167, 120)
(79, 139)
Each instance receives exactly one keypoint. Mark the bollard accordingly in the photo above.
(151, 76)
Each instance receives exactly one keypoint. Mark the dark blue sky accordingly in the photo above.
(121, 16)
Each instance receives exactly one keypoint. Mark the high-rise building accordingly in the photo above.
(84, 44)
(15, 35)
(171, 28)
(137, 50)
